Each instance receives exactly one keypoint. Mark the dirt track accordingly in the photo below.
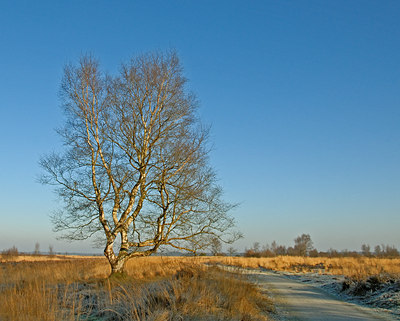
(299, 301)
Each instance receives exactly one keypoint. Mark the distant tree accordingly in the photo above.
(303, 245)
(348, 253)
(281, 250)
(135, 171)
(391, 251)
(37, 249)
(365, 250)
(250, 253)
(292, 251)
(345, 253)
(215, 246)
(51, 250)
(266, 252)
(10, 253)
(256, 247)
(378, 251)
(332, 252)
(231, 251)
(254, 251)
(274, 247)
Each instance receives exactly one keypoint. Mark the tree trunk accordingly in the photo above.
(118, 266)
(117, 263)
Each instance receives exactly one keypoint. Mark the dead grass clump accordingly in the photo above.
(370, 286)
(150, 268)
(193, 293)
(38, 301)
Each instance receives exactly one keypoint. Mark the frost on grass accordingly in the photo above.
(378, 292)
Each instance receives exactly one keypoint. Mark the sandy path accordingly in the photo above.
(299, 301)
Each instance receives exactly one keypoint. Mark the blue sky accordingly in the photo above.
(303, 98)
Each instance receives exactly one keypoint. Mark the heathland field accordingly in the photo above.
(155, 288)
(159, 288)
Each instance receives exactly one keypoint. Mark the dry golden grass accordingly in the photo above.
(357, 268)
(41, 258)
(29, 290)
(155, 288)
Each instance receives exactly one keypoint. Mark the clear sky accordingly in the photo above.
(303, 98)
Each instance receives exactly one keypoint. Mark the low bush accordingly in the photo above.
(11, 253)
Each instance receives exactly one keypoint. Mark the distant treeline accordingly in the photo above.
(303, 246)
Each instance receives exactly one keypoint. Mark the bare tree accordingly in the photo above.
(274, 247)
(303, 245)
(232, 251)
(365, 250)
(256, 247)
(378, 251)
(37, 249)
(215, 246)
(135, 170)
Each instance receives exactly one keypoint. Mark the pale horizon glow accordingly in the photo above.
(303, 99)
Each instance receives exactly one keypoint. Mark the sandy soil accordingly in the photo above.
(298, 301)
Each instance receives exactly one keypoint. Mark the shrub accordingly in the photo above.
(10, 253)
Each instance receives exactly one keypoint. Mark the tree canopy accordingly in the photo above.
(135, 170)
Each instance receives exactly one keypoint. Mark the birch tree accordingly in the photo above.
(135, 169)
(303, 245)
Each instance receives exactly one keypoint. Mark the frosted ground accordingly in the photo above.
(383, 296)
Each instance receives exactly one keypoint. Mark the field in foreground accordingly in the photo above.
(162, 288)
(155, 288)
